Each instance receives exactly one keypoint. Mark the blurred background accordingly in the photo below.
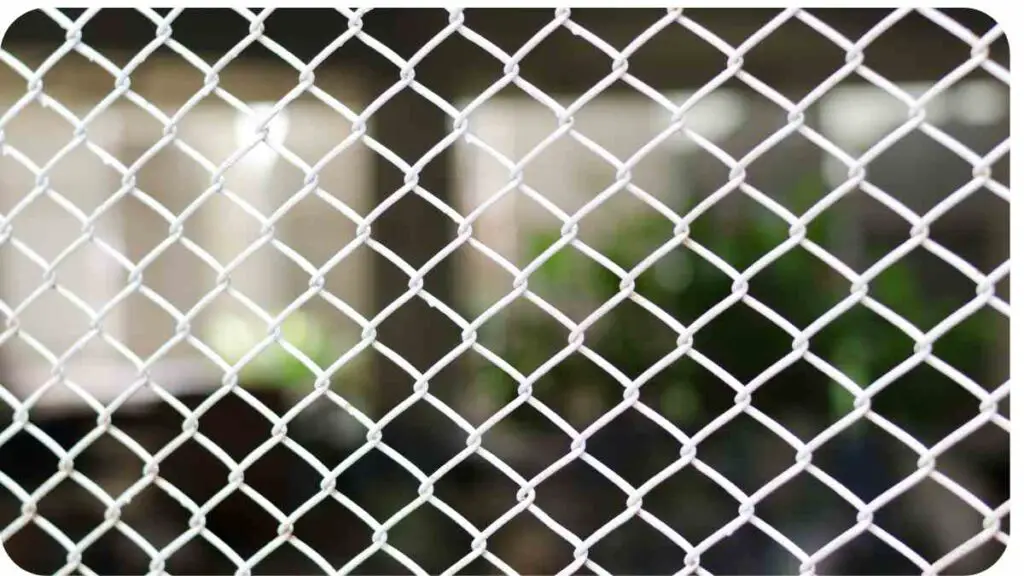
(179, 167)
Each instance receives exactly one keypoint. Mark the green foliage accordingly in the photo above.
(861, 345)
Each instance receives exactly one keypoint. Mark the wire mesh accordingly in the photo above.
(316, 389)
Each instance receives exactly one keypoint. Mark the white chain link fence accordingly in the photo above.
(98, 369)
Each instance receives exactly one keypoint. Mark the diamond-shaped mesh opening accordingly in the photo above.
(163, 262)
(975, 231)
(773, 176)
(235, 439)
(169, 80)
(224, 315)
(764, 120)
(180, 466)
(631, 339)
(35, 550)
(337, 551)
(645, 64)
(115, 552)
(607, 445)
(856, 115)
(408, 209)
(733, 555)
(175, 195)
(303, 481)
(923, 288)
(485, 124)
(637, 544)
(547, 336)
(383, 563)
(416, 310)
(37, 320)
(830, 58)
(526, 442)
(301, 125)
(477, 490)
(945, 170)
(927, 404)
(98, 25)
(803, 400)
(378, 485)
(530, 547)
(746, 453)
(739, 230)
(49, 244)
(598, 121)
(977, 348)
(563, 46)
(159, 329)
(866, 459)
(866, 550)
(801, 311)
(173, 516)
(28, 462)
(578, 390)
(743, 359)
(832, 514)
(238, 507)
(285, 555)
(881, 54)
(909, 523)
(694, 518)
(581, 478)
(428, 453)
(568, 279)
(868, 346)
(978, 451)
(601, 228)
(492, 283)
(340, 279)
(592, 174)
(65, 79)
(133, 419)
(106, 449)
(71, 509)
(72, 274)
(474, 387)
(687, 394)
(453, 45)
(37, 132)
(407, 535)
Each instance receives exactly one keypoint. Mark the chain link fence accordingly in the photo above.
(504, 291)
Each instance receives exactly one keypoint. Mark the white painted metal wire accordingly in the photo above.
(990, 520)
